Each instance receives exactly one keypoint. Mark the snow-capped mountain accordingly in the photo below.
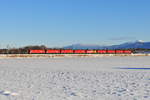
(134, 45)
(127, 45)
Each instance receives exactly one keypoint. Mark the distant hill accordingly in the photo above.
(128, 45)
(83, 46)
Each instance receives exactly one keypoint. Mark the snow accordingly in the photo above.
(140, 41)
(86, 78)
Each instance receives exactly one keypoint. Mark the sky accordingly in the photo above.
(57, 23)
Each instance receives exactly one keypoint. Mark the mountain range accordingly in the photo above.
(127, 45)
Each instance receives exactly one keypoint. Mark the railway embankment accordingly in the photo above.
(64, 55)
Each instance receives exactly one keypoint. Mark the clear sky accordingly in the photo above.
(64, 22)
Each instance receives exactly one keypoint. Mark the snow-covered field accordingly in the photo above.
(84, 78)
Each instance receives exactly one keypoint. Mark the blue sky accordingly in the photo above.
(64, 22)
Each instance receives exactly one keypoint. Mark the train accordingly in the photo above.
(71, 51)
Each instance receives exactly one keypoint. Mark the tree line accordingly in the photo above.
(23, 50)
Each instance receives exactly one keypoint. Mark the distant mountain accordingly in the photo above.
(83, 46)
(133, 45)
(128, 45)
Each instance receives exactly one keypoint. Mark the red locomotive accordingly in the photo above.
(37, 51)
(53, 51)
(119, 51)
(111, 51)
(79, 51)
(70, 51)
(102, 51)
